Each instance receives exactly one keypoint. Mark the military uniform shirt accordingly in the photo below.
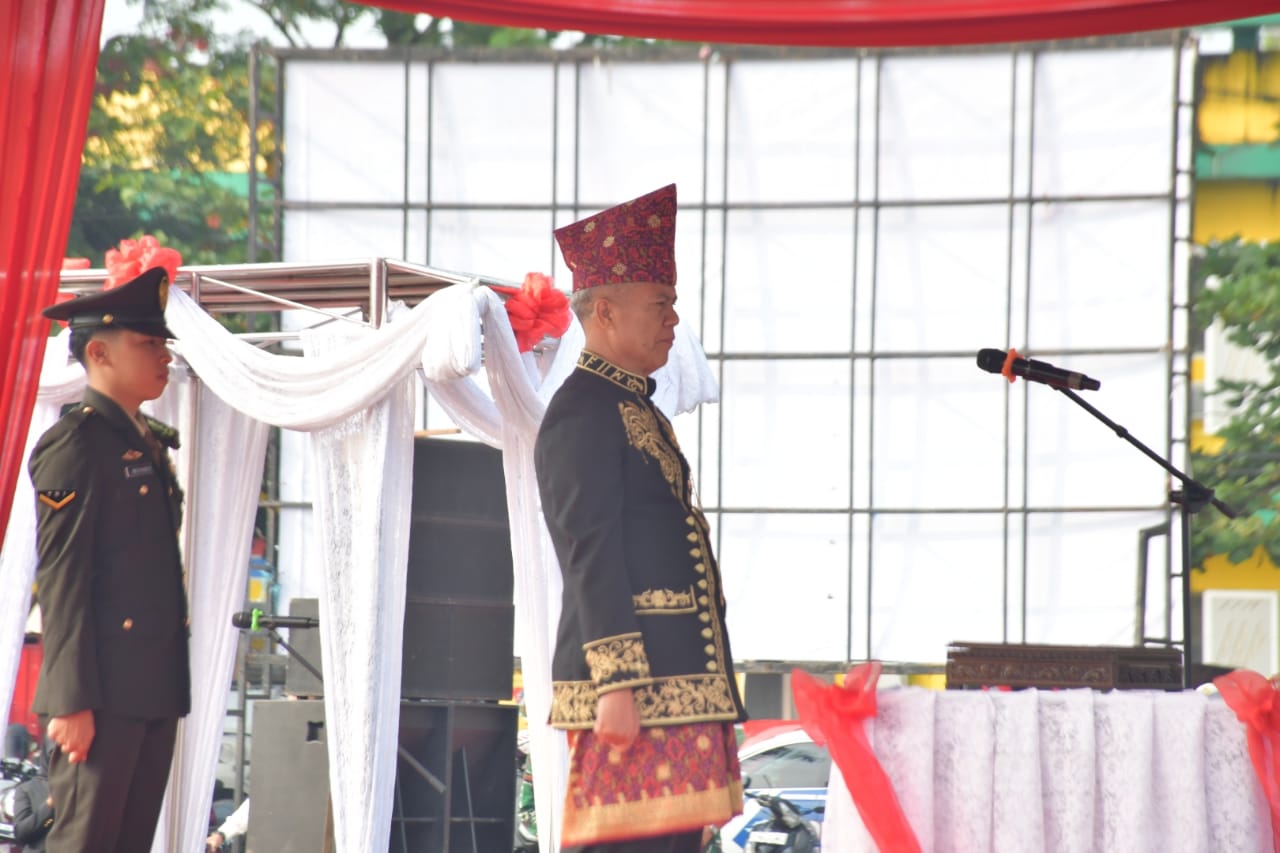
(109, 579)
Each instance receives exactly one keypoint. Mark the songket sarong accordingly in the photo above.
(672, 779)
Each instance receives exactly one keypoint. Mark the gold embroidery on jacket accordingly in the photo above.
(665, 601)
(643, 434)
(677, 699)
(618, 659)
(622, 378)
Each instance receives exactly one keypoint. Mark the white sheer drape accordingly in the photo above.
(364, 485)
(1060, 771)
(355, 394)
(61, 382)
(224, 450)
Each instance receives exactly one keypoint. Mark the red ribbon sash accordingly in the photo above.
(834, 716)
(1257, 704)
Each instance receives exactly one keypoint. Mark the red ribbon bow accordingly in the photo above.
(1257, 704)
(134, 257)
(834, 716)
(537, 310)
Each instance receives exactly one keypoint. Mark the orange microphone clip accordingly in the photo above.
(1007, 370)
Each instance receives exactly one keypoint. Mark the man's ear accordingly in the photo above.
(602, 310)
(95, 351)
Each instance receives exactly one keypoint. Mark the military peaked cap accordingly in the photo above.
(138, 304)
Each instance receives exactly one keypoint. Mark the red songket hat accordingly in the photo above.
(633, 243)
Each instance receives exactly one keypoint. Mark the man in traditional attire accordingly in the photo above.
(642, 675)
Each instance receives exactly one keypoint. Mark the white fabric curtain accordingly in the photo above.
(61, 382)
(364, 484)
(355, 392)
(1060, 771)
(224, 450)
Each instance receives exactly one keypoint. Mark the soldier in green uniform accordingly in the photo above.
(115, 678)
(642, 676)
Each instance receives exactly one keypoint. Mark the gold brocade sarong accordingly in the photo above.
(672, 779)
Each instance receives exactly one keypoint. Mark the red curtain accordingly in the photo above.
(840, 23)
(48, 53)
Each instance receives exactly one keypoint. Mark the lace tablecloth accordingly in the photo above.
(1064, 771)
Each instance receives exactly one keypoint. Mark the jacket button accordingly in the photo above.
(704, 616)
(693, 536)
(700, 567)
(709, 649)
(127, 624)
(712, 666)
(703, 600)
(706, 633)
(689, 521)
(88, 410)
(695, 552)
(142, 490)
(702, 583)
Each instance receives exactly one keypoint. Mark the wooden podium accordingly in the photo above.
(977, 665)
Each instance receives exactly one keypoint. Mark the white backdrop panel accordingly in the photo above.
(1081, 576)
(789, 281)
(1100, 275)
(1076, 460)
(935, 265)
(945, 127)
(344, 128)
(492, 133)
(938, 440)
(786, 434)
(786, 581)
(324, 235)
(780, 113)
(504, 244)
(936, 578)
(1103, 122)
(641, 128)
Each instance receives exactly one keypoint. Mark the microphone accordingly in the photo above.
(1011, 365)
(256, 620)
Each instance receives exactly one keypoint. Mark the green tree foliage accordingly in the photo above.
(1238, 284)
(168, 146)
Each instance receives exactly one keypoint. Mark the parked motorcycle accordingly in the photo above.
(787, 830)
(13, 771)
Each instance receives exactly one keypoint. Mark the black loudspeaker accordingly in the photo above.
(459, 619)
(455, 788)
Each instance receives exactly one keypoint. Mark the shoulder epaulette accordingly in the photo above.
(165, 434)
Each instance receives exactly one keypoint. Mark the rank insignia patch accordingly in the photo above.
(56, 499)
(130, 455)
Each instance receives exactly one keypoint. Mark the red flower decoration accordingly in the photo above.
(537, 310)
(134, 257)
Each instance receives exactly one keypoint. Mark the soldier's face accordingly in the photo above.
(137, 365)
(642, 325)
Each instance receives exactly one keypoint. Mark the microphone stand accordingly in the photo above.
(407, 757)
(1190, 499)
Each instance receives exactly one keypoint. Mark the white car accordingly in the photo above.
(782, 761)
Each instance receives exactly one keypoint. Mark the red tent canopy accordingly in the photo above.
(843, 23)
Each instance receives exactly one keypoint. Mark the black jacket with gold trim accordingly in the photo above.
(109, 578)
(643, 606)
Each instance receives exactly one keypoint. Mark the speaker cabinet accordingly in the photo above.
(459, 620)
(290, 781)
(455, 778)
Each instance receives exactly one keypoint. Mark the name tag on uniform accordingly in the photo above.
(143, 470)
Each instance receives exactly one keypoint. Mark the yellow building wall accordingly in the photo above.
(1239, 98)
(1226, 209)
